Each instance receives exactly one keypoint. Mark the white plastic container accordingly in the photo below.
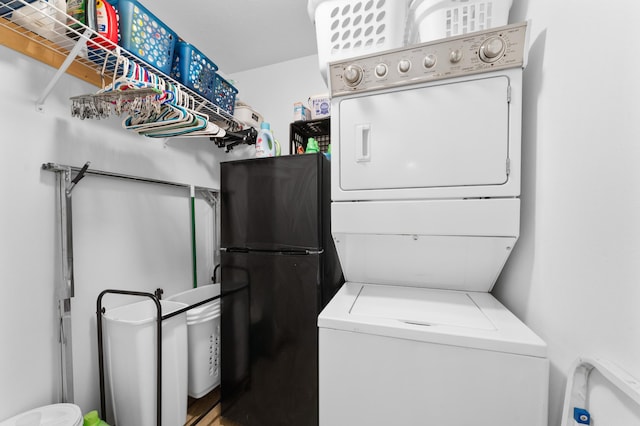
(247, 115)
(50, 415)
(348, 28)
(436, 19)
(47, 18)
(265, 143)
(203, 330)
(130, 355)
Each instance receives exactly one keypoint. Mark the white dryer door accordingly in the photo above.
(443, 135)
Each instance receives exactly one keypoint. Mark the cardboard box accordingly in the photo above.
(320, 106)
(301, 112)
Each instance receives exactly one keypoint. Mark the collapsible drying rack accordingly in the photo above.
(67, 178)
(100, 310)
(65, 48)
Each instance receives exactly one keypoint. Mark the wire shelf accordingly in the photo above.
(53, 36)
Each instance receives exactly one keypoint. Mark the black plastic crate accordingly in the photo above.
(301, 131)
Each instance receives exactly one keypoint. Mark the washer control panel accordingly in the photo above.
(473, 53)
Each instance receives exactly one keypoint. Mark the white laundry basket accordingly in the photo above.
(50, 415)
(348, 28)
(436, 19)
(130, 354)
(203, 329)
(46, 18)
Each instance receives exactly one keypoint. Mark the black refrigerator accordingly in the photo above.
(279, 268)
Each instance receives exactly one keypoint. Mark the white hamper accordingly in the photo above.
(130, 353)
(203, 329)
(349, 28)
(435, 19)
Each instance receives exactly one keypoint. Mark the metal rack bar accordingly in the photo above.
(159, 318)
(54, 167)
(99, 313)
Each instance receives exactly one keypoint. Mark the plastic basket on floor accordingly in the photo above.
(145, 36)
(193, 69)
(436, 19)
(203, 329)
(347, 28)
(225, 94)
(131, 363)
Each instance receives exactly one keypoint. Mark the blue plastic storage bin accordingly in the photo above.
(145, 36)
(225, 94)
(193, 69)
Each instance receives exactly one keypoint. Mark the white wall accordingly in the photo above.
(574, 276)
(126, 235)
(272, 91)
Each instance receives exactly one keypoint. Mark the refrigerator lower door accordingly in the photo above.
(270, 351)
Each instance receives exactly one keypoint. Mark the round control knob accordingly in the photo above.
(492, 49)
(381, 70)
(352, 75)
(404, 66)
(455, 56)
(430, 61)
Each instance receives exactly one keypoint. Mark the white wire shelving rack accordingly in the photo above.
(42, 31)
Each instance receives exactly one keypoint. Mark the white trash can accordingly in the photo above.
(203, 329)
(131, 367)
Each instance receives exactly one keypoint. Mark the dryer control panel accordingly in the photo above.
(473, 53)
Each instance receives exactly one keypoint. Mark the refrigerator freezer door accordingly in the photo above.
(279, 383)
(278, 203)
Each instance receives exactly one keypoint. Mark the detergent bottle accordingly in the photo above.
(312, 146)
(107, 25)
(265, 143)
(92, 419)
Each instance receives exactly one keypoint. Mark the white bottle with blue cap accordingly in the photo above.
(265, 143)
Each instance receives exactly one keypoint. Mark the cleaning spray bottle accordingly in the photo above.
(265, 143)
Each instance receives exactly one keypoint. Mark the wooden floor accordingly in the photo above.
(205, 411)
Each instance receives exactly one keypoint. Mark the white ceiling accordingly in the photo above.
(241, 34)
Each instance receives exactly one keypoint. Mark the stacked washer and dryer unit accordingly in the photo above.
(425, 212)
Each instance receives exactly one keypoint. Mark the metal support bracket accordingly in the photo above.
(82, 42)
(66, 181)
(212, 198)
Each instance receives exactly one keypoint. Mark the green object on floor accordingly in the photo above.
(92, 419)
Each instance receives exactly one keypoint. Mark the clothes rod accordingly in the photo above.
(54, 167)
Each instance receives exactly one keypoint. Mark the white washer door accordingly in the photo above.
(421, 307)
(456, 318)
(445, 135)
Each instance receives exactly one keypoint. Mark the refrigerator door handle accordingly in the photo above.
(287, 252)
(234, 250)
